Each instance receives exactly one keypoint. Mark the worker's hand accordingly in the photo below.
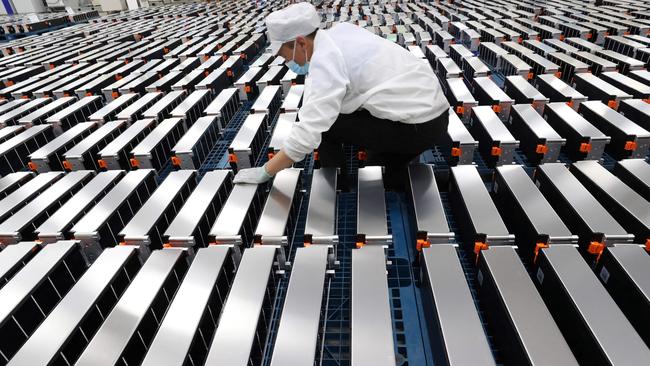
(253, 176)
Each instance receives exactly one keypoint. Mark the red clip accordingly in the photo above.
(176, 161)
(460, 110)
(135, 163)
(531, 76)
(596, 248)
(101, 163)
(360, 244)
(456, 151)
(316, 156)
(496, 108)
(32, 166)
(478, 246)
(541, 149)
(496, 151)
(67, 165)
(362, 155)
(233, 158)
(647, 245)
(612, 104)
(585, 147)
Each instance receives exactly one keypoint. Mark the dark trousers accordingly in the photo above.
(387, 143)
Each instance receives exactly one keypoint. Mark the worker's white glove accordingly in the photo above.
(253, 176)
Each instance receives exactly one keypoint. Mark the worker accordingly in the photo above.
(360, 89)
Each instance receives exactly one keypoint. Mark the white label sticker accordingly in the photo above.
(604, 274)
(479, 275)
(540, 276)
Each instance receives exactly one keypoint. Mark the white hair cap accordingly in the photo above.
(287, 24)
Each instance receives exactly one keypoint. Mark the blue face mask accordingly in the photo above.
(293, 66)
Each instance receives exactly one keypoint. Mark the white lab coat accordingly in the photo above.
(353, 69)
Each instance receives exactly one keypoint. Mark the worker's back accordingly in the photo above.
(384, 74)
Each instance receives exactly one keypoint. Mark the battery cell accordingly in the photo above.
(496, 144)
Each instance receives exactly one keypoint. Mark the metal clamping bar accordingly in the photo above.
(583, 140)
(460, 98)
(21, 225)
(99, 227)
(524, 93)
(84, 155)
(372, 228)
(240, 338)
(74, 114)
(191, 319)
(192, 223)
(479, 221)
(431, 223)
(162, 109)
(278, 219)
(458, 145)
(136, 109)
(450, 309)
(61, 337)
(129, 328)
(579, 210)
(559, 91)
(13, 181)
(297, 337)
(489, 94)
(116, 155)
(153, 151)
(524, 327)
(637, 111)
(636, 174)
(15, 257)
(539, 141)
(597, 89)
(23, 195)
(57, 225)
(238, 218)
(624, 271)
(268, 102)
(110, 111)
(531, 218)
(246, 147)
(34, 291)
(146, 227)
(190, 109)
(592, 323)
(372, 327)
(50, 156)
(293, 99)
(628, 140)
(14, 153)
(224, 107)
(629, 208)
(281, 131)
(320, 225)
(496, 144)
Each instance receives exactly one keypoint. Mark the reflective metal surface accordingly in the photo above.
(137, 106)
(234, 212)
(275, 216)
(296, 341)
(371, 204)
(457, 319)
(235, 334)
(26, 192)
(177, 330)
(429, 213)
(13, 255)
(321, 213)
(51, 335)
(372, 329)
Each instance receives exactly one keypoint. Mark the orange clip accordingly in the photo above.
(561, 37)
(558, 74)
(421, 244)
(360, 244)
(206, 73)
(647, 101)
(630, 145)
(24, 97)
(496, 108)
(316, 156)
(118, 77)
(229, 73)
(32, 166)
(596, 248)
(67, 165)
(520, 39)
(541, 149)
(612, 104)
(478, 246)
(460, 110)
(585, 147)
(538, 246)
(134, 163)
(539, 38)
(589, 35)
(176, 161)
(242, 56)
(496, 151)
(233, 158)
(362, 155)
(89, 94)
(101, 163)
(66, 94)
(10, 83)
(647, 245)
(456, 151)
(167, 245)
(165, 50)
(52, 66)
(115, 95)
(247, 89)
(122, 243)
(531, 76)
